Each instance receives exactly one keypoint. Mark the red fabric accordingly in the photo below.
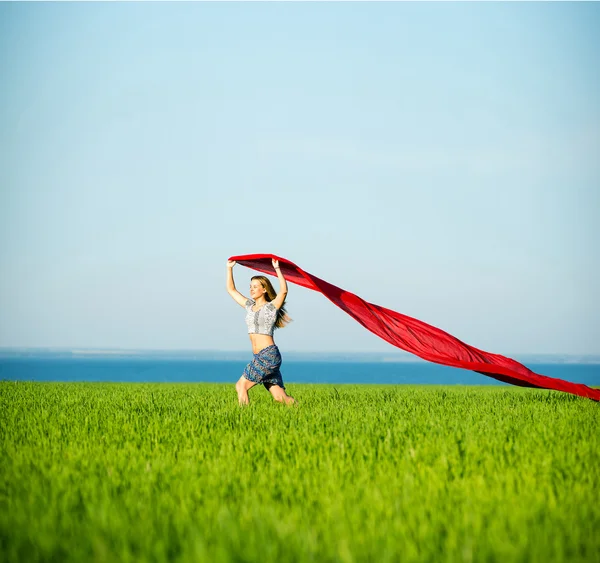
(415, 336)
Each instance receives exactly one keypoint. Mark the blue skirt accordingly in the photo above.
(264, 368)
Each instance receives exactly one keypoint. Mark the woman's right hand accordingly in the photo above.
(231, 263)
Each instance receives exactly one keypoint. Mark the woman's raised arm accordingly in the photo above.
(237, 296)
(281, 295)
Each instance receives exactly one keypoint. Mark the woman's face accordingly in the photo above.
(256, 289)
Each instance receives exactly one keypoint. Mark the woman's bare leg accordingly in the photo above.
(242, 387)
(279, 394)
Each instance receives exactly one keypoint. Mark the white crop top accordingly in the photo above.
(261, 321)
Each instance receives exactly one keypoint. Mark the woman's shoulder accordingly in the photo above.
(250, 302)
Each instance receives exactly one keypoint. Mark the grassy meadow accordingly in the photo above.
(180, 472)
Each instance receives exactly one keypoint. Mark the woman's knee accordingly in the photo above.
(284, 398)
(278, 393)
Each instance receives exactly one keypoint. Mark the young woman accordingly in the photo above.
(264, 313)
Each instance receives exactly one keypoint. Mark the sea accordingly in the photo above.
(203, 370)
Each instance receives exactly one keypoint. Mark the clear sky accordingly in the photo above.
(441, 160)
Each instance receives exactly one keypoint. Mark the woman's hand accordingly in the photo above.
(275, 263)
(231, 263)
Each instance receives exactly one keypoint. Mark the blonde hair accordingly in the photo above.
(282, 317)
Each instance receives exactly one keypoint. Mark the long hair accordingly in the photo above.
(282, 316)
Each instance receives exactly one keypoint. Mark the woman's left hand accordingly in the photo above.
(275, 263)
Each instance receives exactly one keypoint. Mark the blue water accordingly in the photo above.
(157, 370)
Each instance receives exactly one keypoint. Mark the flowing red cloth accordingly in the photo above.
(414, 336)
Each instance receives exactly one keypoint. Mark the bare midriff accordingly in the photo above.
(260, 341)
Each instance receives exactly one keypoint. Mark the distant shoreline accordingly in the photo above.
(290, 356)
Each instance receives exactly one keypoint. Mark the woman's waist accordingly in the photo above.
(260, 341)
(259, 336)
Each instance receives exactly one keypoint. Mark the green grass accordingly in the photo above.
(179, 472)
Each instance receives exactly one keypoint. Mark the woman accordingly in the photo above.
(264, 313)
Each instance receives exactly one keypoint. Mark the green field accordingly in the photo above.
(180, 472)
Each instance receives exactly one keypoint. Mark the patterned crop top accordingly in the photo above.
(261, 321)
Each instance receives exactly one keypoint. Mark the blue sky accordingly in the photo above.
(438, 159)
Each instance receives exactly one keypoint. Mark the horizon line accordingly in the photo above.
(116, 349)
